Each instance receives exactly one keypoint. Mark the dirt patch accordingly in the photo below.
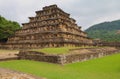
(10, 74)
(7, 55)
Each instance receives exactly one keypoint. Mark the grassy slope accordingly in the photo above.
(102, 68)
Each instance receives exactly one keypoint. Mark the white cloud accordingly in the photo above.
(111, 17)
(86, 12)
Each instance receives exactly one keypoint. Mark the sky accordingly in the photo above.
(85, 12)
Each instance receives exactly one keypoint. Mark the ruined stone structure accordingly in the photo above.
(51, 27)
(111, 44)
(74, 55)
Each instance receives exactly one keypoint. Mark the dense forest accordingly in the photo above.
(107, 31)
(7, 28)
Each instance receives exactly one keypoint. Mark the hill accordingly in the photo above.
(107, 31)
(7, 28)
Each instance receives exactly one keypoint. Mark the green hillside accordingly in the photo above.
(7, 28)
(107, 31)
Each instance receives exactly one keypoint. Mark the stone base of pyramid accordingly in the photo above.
(74, 55)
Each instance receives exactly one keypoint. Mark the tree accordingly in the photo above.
(7, 28)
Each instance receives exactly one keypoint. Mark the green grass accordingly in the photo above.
(60, 50)
(54, 50)
(102, 68)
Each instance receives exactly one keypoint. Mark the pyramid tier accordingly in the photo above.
(51, 27)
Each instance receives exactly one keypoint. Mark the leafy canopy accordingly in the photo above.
(7, 28)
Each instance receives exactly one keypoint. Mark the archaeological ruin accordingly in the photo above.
(51, 27)
(74, 55)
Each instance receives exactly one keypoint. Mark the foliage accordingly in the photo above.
(101, 68)
(106, 31)
(7, 28)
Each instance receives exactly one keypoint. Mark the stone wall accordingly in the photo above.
(112, 44)
(89, 53)
(2, 45)
(75, 55)
(38, 56)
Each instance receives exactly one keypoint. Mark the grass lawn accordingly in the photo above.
(102, 68)
(60, 50)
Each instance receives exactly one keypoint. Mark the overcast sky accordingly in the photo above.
(86, 12)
